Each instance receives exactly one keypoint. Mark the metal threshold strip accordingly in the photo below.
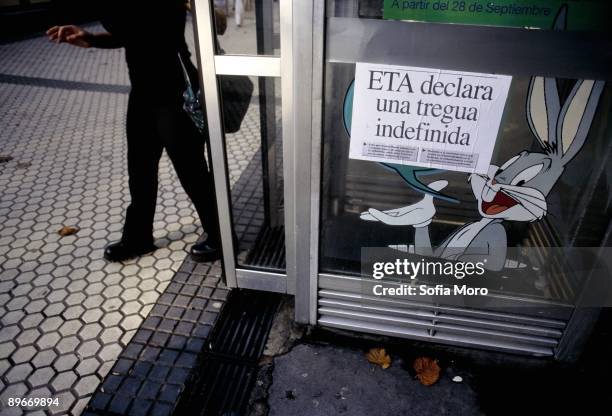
(435, 327)
(439, 336)
(221, 382)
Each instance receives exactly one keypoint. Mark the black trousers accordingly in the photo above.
(151, 127)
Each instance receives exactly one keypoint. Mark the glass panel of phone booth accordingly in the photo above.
(248, 27)
(350, 187)
(255, 168)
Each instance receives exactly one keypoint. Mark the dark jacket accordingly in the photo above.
(152, 33)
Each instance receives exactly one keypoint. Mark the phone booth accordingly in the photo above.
(298, 216)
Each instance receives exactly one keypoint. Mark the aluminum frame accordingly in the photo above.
(260, 280)
(261, 66)
(302, 180)
(211, 66)
(205, 52)
(318, 62)
(563, 54)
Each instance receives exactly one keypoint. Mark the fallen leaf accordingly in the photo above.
(427, 369)
(23, 165)
(5, 158)
(66, 231)
(380, 357)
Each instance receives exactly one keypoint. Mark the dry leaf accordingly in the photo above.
(5, 158)
(66, 231)
(380, 357)
(427, 369)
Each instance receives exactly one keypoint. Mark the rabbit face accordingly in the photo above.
(517, 190)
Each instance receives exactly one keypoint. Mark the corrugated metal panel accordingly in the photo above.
(344, 304)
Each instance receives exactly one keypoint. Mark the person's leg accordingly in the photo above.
(144, 150)
(239, 10)
(143, 154)
(185, 147)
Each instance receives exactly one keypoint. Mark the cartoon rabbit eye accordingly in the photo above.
(526, 175)
(508, 163)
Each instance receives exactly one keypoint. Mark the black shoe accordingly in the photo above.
(120, 250)
(205, 251)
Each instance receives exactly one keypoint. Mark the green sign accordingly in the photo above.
(540, 14)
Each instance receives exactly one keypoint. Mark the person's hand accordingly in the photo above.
(71, 34)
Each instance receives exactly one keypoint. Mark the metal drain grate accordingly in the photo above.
(221, 383)
(269, 250)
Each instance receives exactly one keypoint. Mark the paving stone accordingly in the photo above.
(119, 404)
(67, 344)
(86, 385)
(87, 366)
(73, 312)
(141, 407)
(64, 380)
(12, 317)
(131, 322)
(51, 324)
(110, 352)
(41, 376)
(111, 335)
(170, 393)
(80, 405)
(48, 340)
(66, 399)
(13, 390)
(88, 348)
(44, 358)
(161, 409)
(90, 331)
(6, 349)
(66, 362)
(100, 401)
(18, 373)
(23, 354)
(149, 390)
(186, 359)
(111, 319)
(70, 327)
(54, 309)
(159, 339)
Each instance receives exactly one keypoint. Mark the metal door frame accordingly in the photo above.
(300, 105)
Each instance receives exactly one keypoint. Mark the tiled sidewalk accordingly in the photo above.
(65, 313)
(153, 371)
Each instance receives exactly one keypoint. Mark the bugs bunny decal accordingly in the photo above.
(515, 191)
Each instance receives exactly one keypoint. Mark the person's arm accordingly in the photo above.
(76, 36)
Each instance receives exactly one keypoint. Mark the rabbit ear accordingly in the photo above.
(543, 106)
(543, 109)
(576, 117)
(560, 22)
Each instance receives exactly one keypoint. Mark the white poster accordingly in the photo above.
(426, 117)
